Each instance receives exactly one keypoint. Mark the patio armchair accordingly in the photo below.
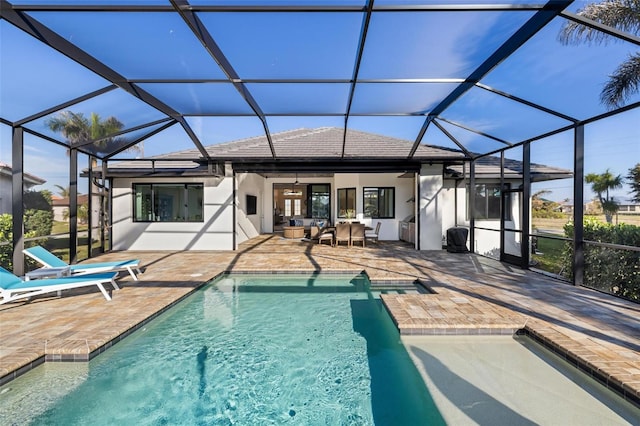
(357, 233)
(14, 288)
(373, 235)
(326, 235)
(343, 233)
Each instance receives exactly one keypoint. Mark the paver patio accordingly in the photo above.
(471, 295)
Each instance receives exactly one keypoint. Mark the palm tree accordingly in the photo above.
(62, 191)
(601, 184)
(78, 129)
(633, 179)
(623, 15)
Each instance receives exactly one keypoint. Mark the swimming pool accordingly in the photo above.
(318, 350)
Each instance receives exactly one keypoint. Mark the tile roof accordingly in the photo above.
(322, 142)
(325, 143)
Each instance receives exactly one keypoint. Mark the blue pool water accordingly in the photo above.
(248, 350)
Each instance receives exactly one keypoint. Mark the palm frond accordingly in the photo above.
(623, 83)
(623, 15)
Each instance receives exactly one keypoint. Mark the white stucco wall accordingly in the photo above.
(436, 210)
(430, 207)
(214, 233)
(404, 191)
(249, 226)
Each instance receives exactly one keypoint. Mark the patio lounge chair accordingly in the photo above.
(49, 260)
(14, 288)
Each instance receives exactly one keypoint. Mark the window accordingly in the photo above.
(168, 202)
(346, 202)
(318, 201)
(379, 203)
(486, 201)
(252, 204)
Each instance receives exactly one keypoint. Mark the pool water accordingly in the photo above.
(246, 349)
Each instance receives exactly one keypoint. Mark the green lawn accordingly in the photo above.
(63, 227)
(551, 258)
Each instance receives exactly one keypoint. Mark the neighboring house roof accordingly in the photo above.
(325, 144)
(57, 201)
(28, 179)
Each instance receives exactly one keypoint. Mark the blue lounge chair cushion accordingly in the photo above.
(50, 260)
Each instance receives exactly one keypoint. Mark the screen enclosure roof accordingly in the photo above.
(131, 79)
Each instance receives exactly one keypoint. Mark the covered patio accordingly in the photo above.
(467, 294)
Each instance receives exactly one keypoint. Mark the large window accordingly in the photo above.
(346, 202)
(167, 202)
(379, 203)
(486, 201)
(318, 197)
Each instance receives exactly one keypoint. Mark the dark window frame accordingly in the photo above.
(155, 202)
(252, 204)
(486, 212)
(309, 199)
(379, 190)
(355, 194)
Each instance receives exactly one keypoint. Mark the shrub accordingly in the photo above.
(615, 271)
(6, 236)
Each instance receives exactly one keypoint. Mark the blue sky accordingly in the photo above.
(279, 46)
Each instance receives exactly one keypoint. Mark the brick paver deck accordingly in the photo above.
(471, 295)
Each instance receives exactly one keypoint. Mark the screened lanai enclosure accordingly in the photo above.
(177, 124)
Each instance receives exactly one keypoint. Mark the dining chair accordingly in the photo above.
(357, 233)
(343, 233)
(373, 235)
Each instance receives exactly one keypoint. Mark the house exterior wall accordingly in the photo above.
(215, 232)
(6, 191)
(5, 194)
(249, 226)
(430, 207)
(442, 204)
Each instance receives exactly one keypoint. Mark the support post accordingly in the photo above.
(526, 203)
(17, 199)
(73, 205)
(472, 206)
(578, 206)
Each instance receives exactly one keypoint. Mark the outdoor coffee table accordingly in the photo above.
(293, 231)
